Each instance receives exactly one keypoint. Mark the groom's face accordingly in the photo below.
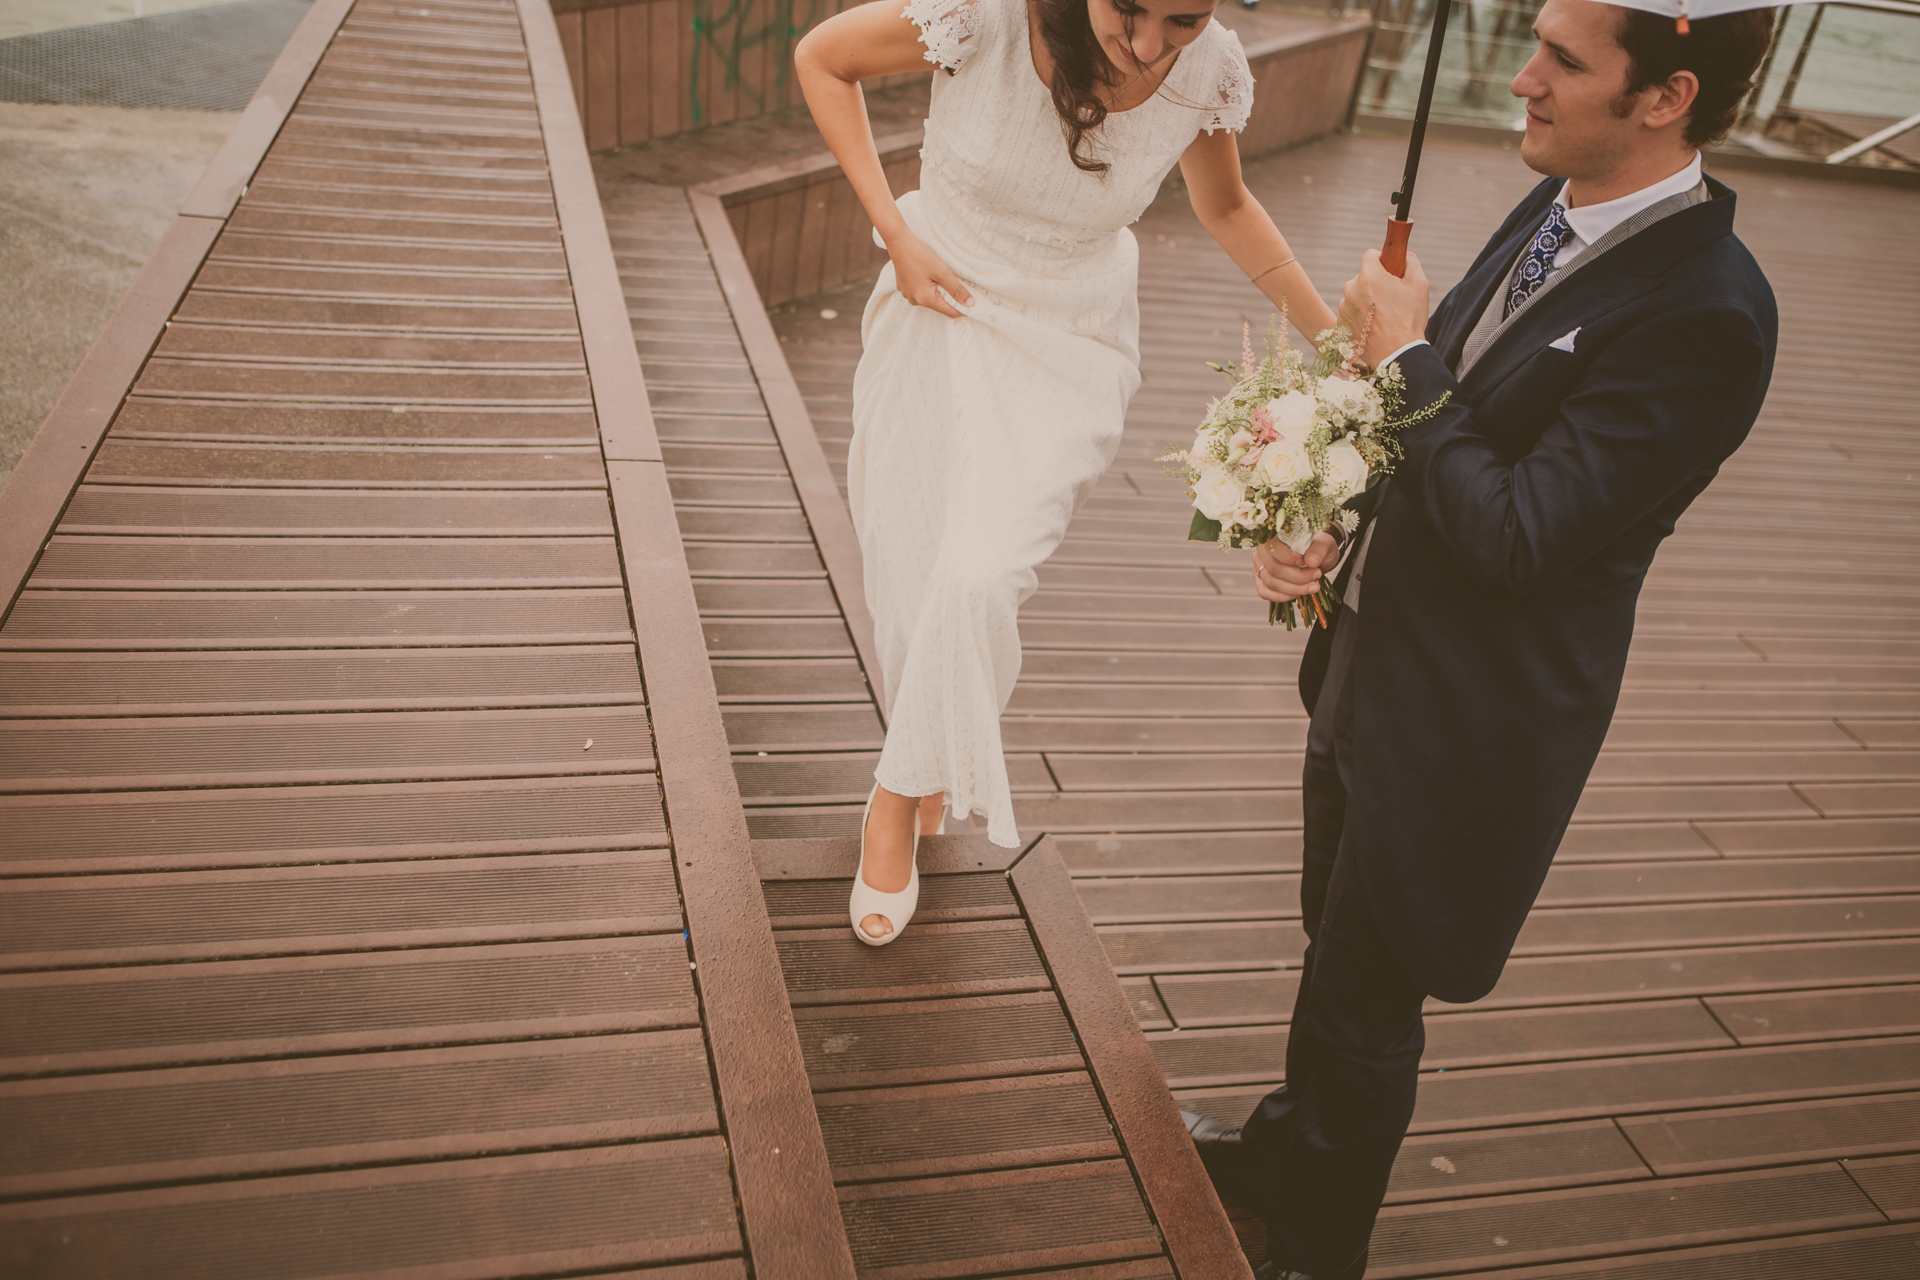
(1573, 85)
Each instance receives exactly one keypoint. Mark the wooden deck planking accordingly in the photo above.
(323, 954)
(795, 703)
(1762, 758)
(985, 1068)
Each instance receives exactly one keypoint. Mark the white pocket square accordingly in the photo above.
(1566, 343)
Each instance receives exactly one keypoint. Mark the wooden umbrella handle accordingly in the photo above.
(1393, 254)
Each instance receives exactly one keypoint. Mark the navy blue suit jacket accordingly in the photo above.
(1508, 553)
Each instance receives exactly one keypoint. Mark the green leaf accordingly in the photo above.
(1203, 529)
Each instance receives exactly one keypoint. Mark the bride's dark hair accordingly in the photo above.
(1077, 62)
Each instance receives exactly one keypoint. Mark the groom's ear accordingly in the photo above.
(1670, 101)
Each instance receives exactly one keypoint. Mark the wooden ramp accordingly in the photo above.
(376, 886)
(342, 921)
(1703, 1060)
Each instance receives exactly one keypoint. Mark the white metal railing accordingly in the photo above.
(1872, 141)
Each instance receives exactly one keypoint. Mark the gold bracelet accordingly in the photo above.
(1275, 267)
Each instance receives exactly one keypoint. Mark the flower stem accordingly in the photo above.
(1324, 603)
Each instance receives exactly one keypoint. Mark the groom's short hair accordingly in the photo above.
(1723, 53)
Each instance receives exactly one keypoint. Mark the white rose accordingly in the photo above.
(1248, 515)
(1345, 394)
(1293, 412)
(1297, 534)
(1355, 401)
(1216, 494)
(1284, 463)
(1346, 471)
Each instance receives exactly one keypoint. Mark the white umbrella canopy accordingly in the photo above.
(1681, 10)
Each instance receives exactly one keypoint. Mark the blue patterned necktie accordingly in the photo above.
(1539, 260)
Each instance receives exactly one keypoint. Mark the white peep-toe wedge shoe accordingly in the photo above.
(896, 908)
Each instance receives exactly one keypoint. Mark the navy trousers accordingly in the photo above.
(1324, 1143)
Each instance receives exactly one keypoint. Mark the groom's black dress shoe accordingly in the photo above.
(1230, 1169)
(1274, 1271)
(1222, 1152)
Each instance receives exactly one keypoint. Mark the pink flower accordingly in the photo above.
(1263, 428)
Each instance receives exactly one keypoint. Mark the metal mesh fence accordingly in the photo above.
(1488, 41)
(199, 59)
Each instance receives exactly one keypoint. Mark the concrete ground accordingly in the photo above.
(24, 17)
(86, 194)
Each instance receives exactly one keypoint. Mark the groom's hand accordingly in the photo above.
(1399, 306)
(1280, 575)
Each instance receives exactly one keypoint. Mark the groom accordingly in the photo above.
(1608, 350)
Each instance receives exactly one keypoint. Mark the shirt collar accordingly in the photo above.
(1592, 221)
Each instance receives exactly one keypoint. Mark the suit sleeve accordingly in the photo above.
(1665, 400)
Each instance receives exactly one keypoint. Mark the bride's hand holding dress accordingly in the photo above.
(863, 43)
(923, 279)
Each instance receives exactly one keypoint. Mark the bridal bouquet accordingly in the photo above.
(1279, 455)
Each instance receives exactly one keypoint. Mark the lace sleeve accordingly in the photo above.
(949, 28)
(1233, 102)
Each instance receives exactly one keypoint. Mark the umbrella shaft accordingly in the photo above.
(1403, 198)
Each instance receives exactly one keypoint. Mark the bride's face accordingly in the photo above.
(1138, 34)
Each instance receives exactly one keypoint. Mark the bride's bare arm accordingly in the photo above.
(1211, 166)
(830, 62)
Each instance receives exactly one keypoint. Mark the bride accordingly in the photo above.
(1001, 342)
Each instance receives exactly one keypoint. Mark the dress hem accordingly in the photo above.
(953, 812)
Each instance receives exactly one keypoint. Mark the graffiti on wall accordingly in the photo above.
(727, 32)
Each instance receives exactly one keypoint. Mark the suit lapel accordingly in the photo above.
(1452, 321)
(1612, 278)
(1465, 303)
(1470, 298)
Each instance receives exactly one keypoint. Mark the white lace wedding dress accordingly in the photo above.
(974, 440)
